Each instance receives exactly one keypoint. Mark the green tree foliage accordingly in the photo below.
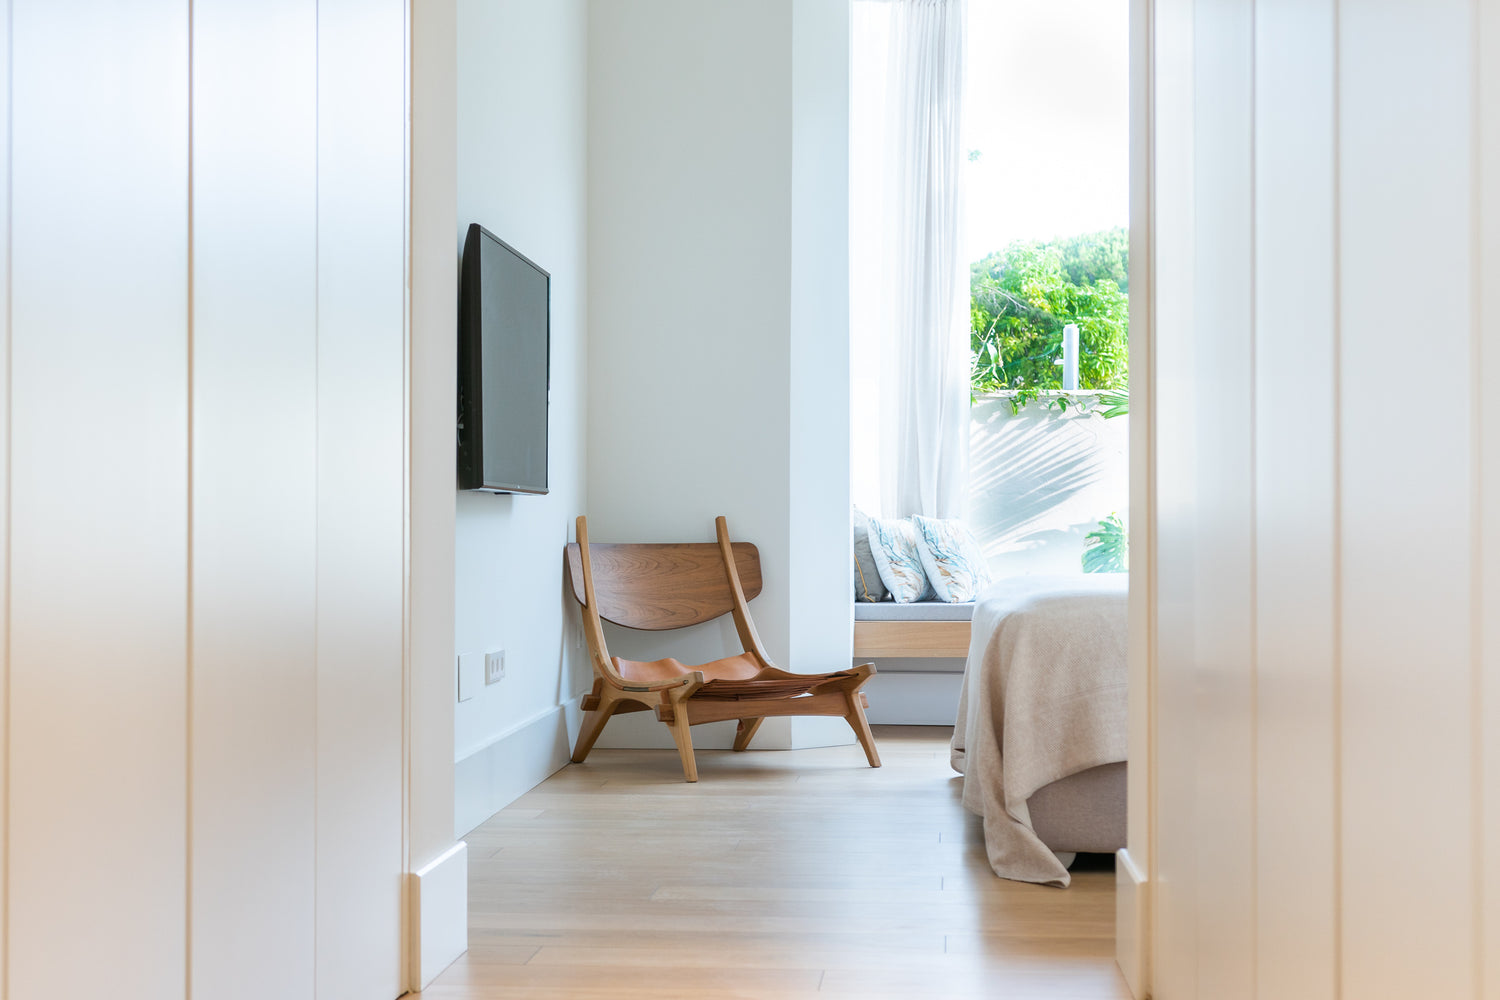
(1023, 296)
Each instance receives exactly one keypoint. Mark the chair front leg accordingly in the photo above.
(682, 733)
(861, 725)
(856, 700)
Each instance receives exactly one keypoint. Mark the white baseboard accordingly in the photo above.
(914, 699)
(641, 731)
(440, 914)
(512, 764)
(810, 731)
(1130, 925)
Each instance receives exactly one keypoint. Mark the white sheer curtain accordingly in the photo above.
(909, 280)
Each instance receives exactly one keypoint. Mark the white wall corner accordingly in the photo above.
(809, 731)
(513, 763)
(1131, 889)
(642, 731)
(439, 914)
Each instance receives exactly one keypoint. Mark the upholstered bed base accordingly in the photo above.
(1082, 813)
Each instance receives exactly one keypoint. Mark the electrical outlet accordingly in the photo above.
(494, 666)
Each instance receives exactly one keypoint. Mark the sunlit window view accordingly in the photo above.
(1047, 191)
(1041, 215)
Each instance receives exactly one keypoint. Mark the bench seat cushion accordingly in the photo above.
(917, 611)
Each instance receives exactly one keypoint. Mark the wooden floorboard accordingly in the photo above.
(790, 874)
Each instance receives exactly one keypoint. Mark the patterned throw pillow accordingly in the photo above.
(867, 583)
(951, 557)
(899, 559)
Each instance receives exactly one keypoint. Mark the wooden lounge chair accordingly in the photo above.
(660, 587)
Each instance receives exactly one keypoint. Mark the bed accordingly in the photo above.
(1040, 736)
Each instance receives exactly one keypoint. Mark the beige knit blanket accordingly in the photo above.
(1044, 697)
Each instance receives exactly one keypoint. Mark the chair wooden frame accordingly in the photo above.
(747, 687)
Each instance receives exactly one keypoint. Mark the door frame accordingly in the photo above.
(1136, 862)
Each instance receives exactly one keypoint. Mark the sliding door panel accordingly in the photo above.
(5, 397)
(254, 498)
(1408, 778)
(1295, 501)
(1174, 862)
(361, 386)
(1224, 558)
(98, 492)
(1487, 376)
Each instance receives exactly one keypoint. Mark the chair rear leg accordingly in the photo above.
(682, 734)
(861, 726)
(745, 733)
(593, 725)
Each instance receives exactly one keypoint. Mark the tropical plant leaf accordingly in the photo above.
(1116, 403)
(1107, 548)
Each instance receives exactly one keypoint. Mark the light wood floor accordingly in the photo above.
(783, 874)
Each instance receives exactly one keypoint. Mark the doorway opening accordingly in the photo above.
(990, 274)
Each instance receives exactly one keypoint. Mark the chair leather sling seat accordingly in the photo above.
(671, 586)
(732, 677)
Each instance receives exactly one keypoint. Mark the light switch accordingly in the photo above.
(470, 674)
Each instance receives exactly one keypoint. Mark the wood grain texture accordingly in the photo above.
(782, 875)
(915, 639)
(662, 587)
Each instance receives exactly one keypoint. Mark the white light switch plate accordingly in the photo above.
(494, 666)
(470, 675)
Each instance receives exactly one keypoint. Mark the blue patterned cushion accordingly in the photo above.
(867, 583)
(952, 559)
(898, 558)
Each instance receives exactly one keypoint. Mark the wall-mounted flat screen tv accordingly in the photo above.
(504, 335)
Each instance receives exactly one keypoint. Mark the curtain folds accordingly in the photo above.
(924, 371)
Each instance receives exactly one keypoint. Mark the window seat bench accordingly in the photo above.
(921, 630)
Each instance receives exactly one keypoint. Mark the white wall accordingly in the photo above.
(1326, 702)
(718, 329)
(1041, 479)
(205, 484)
(521, 174)
(820, 557)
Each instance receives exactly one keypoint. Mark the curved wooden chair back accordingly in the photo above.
(662, 587)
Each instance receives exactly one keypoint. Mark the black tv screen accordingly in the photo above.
(504, 334)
